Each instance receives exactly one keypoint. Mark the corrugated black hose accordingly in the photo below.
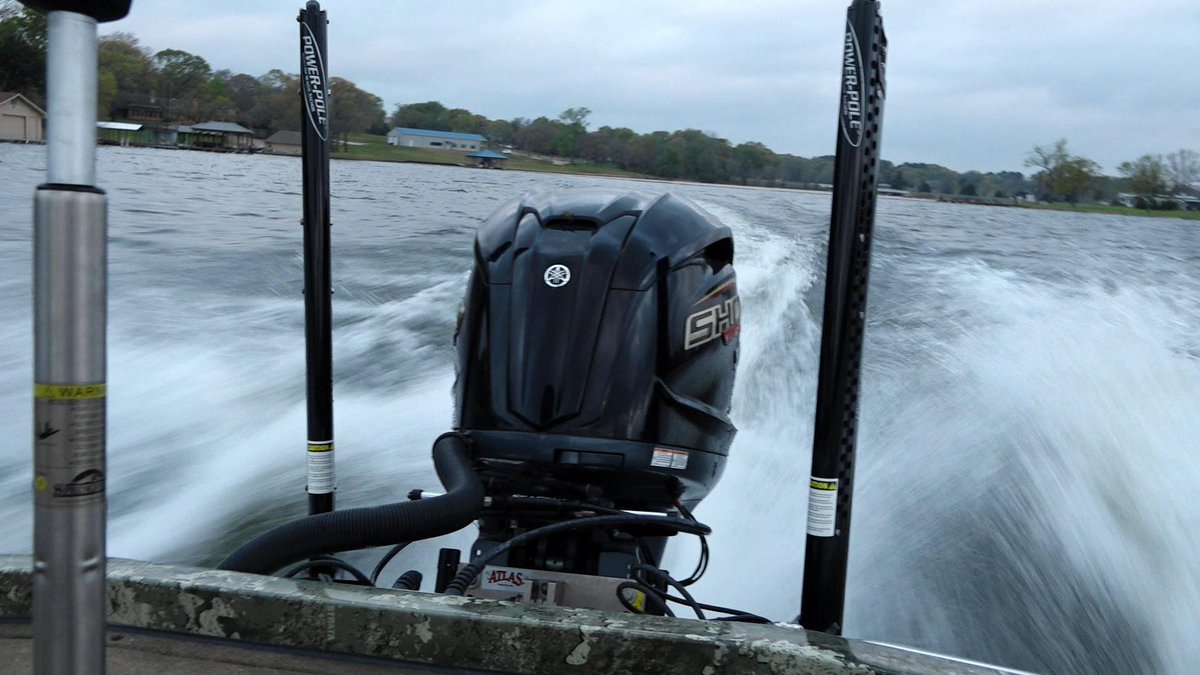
(376, 526)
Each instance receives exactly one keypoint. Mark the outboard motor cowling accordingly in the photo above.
(596, 349)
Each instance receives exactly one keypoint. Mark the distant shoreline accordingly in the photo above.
(583, 170)
(948, 199)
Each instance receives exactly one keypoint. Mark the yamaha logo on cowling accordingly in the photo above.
(557, 276)
(853, 89)
(314, 85)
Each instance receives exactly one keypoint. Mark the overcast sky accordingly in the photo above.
(971, 84)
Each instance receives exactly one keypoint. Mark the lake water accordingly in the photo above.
(1029, 447)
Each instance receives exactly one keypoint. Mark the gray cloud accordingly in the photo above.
(972, 84)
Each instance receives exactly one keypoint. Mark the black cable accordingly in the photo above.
(734, 614)
(666, 579)
(559, 504)
(662, 598)
(468, 573)
(387, 558)
(745, 618)
(702, 564)
(326, 562)
(553, 503)
(651, 595)
(687, 599)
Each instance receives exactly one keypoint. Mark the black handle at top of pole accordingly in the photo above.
(318, 311)
(864, 57)
(100, 10)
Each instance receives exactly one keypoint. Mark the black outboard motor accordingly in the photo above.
(597, 346)
(596, 353)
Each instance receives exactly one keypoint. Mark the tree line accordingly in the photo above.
(689, 154)
(1063, 176)
(184, 88)
(175, 86)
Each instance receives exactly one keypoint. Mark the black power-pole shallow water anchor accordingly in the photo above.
(832, 480)
(318, 303)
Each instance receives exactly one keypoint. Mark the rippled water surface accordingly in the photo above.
(1029, 446)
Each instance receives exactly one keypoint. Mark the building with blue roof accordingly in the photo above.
(438, 140)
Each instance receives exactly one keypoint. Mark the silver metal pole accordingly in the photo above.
(70, 315)
(71, 98)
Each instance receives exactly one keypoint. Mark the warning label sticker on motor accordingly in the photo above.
(822, 506)
(669, 459)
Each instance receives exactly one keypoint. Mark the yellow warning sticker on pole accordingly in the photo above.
(320, 468)
(822, 506)
(69, 440)
(69, 392)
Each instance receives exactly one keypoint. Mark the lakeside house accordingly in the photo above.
(219, 136)
(123, 134)
(222, 136)
(284, 143)
(437, 140)
(20, 119)
(142, 109)
(1180, 202)
(137, 134)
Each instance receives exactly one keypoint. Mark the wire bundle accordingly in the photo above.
(645, 578)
